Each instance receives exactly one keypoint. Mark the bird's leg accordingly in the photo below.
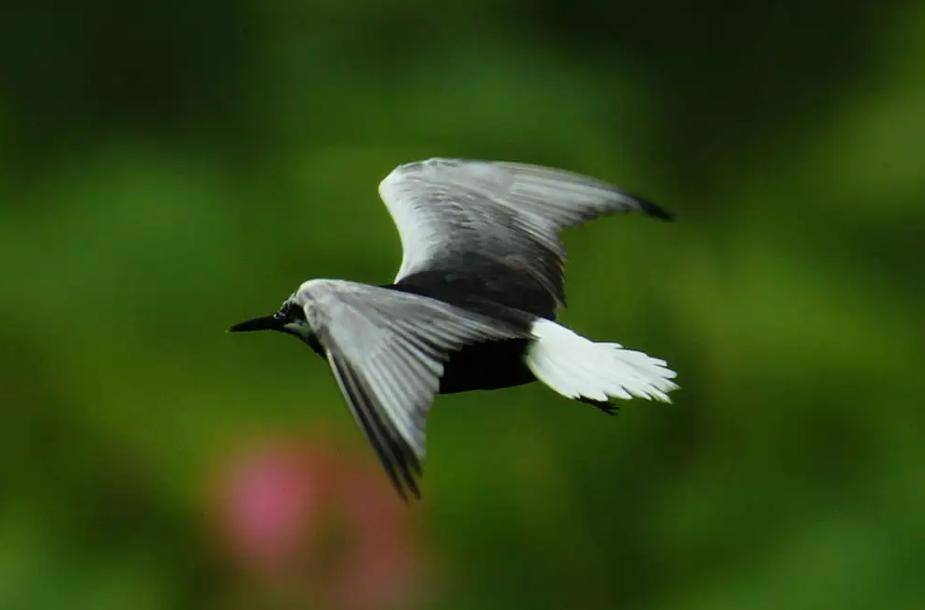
(603, 405)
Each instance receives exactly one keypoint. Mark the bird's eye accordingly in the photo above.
(290, 311)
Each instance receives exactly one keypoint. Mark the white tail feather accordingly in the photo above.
(578, 368)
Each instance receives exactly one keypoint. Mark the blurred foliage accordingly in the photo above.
(169, 168)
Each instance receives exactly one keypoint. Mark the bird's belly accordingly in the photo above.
(486, 366)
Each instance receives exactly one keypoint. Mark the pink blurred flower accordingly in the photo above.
(306, 519)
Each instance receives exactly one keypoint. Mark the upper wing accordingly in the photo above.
(387, 349)
(500, 218)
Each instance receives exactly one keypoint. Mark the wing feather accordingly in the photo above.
(361, 409)
(386, 349)
(502, 219)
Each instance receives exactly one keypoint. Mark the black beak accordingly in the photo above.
(264, 323)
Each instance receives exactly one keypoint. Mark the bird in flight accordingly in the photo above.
(473, 306)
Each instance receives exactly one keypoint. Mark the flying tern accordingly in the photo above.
(473, 306)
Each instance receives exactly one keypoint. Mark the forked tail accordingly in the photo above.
(579, 368)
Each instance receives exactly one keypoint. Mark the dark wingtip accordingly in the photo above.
(653, 210)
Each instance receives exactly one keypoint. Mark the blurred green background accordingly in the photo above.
(167, 169)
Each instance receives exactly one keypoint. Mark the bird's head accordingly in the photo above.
(290, 318)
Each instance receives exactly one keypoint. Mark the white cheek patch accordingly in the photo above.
(300, 328)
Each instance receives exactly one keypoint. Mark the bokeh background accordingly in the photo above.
(167, 169)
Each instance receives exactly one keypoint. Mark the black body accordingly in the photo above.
(486, 366)
(491, 365)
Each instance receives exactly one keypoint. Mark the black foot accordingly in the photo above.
(606, 407)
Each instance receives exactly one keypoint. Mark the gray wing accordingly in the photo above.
(387, 349)
(503, 218)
